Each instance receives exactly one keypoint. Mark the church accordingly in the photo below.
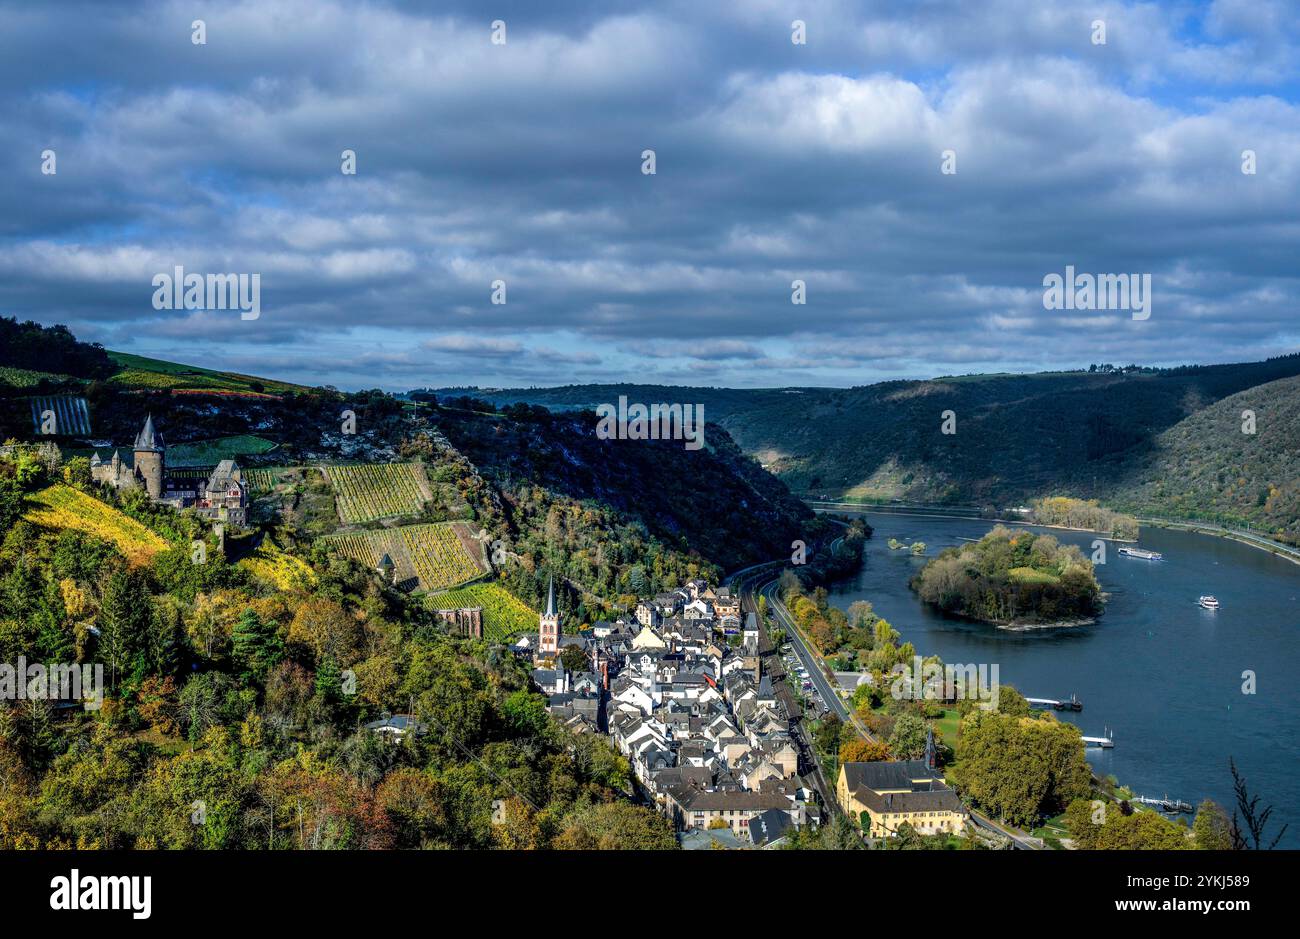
(218, 493)
(548, 639)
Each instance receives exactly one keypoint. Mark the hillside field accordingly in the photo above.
(62, 507)
(211, 452)
(282, 570)
(504, 615)
(427, 557)
(369, 492)
(138, 371)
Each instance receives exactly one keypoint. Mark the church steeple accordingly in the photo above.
(548, 644)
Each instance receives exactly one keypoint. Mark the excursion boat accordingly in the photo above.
(1142, 553)
(1208, 603)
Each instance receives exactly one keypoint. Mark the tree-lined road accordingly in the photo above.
(759, 580)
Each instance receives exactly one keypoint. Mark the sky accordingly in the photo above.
(522, 161)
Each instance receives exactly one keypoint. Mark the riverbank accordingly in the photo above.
(1275, 548)
(1028, 627)
(928, 512)
(1161, 673)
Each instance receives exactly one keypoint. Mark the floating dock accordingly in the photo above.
(1106, 742)
(1072, 704)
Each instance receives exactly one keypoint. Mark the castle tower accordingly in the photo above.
(149, 458)
(548, 640)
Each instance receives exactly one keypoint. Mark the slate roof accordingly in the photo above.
(397, 722)
(693, 800)
(768, 826)
(701, 840)
(939, 800)
(148, 438)
(883, 775)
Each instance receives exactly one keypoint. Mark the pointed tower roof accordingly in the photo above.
(386, 563)
(550, 598)
(149, 438)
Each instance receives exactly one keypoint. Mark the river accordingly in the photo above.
(1160, 672)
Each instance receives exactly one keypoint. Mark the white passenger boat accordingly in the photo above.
(1142, 553)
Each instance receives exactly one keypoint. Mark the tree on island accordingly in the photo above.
(1115, 826)
(1010, 577)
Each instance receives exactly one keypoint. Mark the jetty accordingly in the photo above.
(1071, 704)
(1106, 742)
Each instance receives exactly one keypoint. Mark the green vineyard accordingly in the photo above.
(263, 479)
(504, 614)
(366, 492)
(427, 557)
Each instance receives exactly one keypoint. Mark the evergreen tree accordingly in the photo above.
(124, 617)
(329, 680)
(256, 646)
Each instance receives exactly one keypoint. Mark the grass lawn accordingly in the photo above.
(946, 726)
(211, 452)
(1052, 828)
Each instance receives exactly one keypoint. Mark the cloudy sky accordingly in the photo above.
(775, 161)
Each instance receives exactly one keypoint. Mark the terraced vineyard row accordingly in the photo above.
(263, 479)
(439, 557)
(504, 614)
(366, 492)
(430, 557)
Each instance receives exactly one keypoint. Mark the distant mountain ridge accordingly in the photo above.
(1088, 434)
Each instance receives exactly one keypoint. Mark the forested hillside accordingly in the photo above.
(622, 518)
(237, 687)
(1207, 467)
(1017, 436)
(233, 698)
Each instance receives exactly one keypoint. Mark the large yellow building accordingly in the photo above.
(892, 793)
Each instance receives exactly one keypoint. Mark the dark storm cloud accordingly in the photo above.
(776, 162)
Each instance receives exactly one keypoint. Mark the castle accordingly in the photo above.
(218, 494)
